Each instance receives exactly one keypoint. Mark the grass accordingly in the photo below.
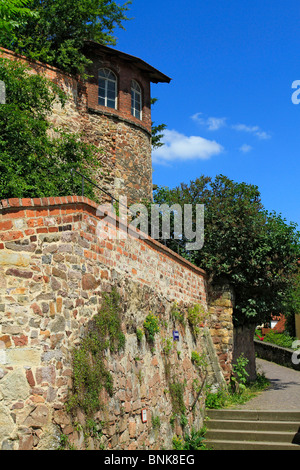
(224, 398)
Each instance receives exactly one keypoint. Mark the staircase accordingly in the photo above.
(252, 430)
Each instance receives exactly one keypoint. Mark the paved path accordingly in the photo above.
(283, 392)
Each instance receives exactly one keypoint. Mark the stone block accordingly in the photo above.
(38, 417)
(7, 425)
(15, 259)
(23, 356)
(14, 386)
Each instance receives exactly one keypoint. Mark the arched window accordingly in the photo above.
(136, 100)
(107, 89)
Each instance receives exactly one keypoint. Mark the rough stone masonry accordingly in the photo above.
(54, 270)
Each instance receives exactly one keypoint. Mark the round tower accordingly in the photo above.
(119, 110)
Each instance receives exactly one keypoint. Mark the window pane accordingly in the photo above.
(111, 95)
(107, 88)
(111, 104)
(136, 100)
(111, 85)
(110, 75)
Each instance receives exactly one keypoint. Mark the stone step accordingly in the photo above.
(251, 436)
(255, 415)
(248, 425)
(252, 430)
(239, 445)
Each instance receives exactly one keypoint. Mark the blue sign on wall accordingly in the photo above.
(175, 335)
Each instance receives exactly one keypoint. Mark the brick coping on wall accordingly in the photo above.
(22, 204)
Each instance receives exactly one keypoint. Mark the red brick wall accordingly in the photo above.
(125, 74)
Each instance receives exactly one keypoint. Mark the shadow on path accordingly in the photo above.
(283, 392)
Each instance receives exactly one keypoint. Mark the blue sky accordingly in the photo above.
(228, 108)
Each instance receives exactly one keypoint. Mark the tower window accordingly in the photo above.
(107, 89)
(136, 100)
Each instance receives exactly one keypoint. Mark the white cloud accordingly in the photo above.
(263, 135)
(255, 130)
(216, 123)
(245, 148)
(179, 147)
(212, 123)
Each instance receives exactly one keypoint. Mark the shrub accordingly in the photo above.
(35, 158)
(216, 400)
(192, 441)
(280, 339)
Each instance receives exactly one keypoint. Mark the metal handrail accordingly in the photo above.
(83, 177)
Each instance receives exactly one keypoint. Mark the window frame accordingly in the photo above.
(136, 90)
(107, 80)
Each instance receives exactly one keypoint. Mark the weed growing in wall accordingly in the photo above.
(200, 360)
(156, 422)
(90, 375)
(167, 346)
(139, 334)
(196, 315)
(177, 314)
(176, 390)
(151, 326)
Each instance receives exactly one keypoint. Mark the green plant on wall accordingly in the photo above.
(196, 315)
(177, 314)
(199, 360)
(151, 326)
(167, 346)
(176, 392)
(90, 375)
(156, 422)
(139, 334)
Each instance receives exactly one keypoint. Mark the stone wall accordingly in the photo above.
(286, 357)
(55, 267)
(220, 305)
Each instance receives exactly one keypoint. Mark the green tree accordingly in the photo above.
(13, 14)
(255, 251)
(57, 33)
(157, 131)
(36, 159)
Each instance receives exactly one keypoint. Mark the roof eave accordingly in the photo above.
(155, 75)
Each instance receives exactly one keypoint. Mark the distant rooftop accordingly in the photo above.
(154, 75)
